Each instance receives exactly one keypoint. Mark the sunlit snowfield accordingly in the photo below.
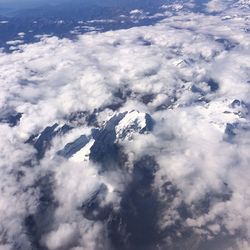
(133, 137)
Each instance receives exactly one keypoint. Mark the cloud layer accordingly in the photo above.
(190, 73)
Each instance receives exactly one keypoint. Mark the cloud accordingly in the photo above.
(190, 73)
(216, 6)
(65, 236)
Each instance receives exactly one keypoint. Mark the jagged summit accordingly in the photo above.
(133, 122)
(104, 142)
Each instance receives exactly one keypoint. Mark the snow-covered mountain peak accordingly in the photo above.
(103, 142)
(133, 122)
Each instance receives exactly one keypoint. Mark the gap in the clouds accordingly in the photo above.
(135, 226)
(11, 118)
(42, 141)
(69, 19)
(42, 220)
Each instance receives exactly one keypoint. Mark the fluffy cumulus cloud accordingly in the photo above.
(174, 173)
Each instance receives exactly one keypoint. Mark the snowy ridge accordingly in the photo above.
(133, 122)
(119, 127)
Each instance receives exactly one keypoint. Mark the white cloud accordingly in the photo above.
(185, 71)
(216, 5)
(63, 238)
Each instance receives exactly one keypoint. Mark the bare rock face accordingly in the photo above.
(103, 145)
(42, 141)
(120, 127)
